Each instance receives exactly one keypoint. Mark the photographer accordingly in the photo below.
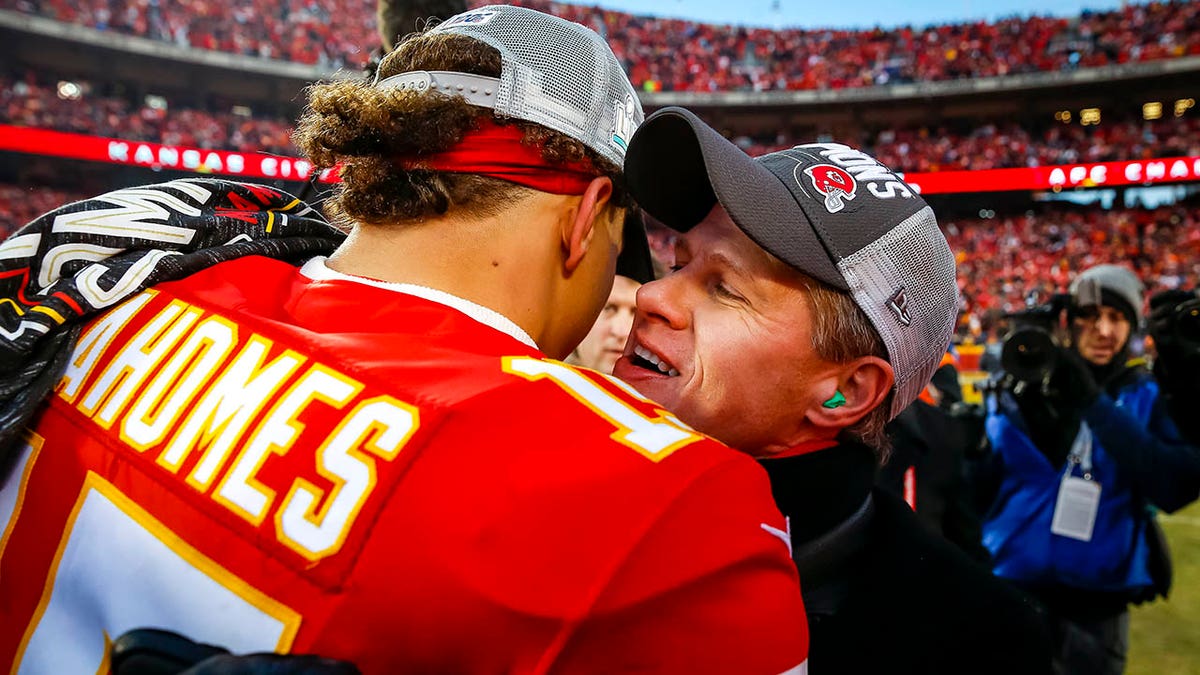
(1084, 449)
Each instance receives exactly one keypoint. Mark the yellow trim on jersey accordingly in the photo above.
(35, 442)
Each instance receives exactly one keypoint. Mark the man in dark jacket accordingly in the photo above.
(813, 297)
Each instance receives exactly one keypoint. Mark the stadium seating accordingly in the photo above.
(680, 55)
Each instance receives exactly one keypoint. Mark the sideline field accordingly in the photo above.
(1165, 636)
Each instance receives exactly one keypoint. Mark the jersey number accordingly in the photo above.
(148, 578)
(654, 437)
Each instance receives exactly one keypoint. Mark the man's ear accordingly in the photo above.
(865, 384)
(579, 222)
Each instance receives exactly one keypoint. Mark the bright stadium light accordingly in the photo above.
(1063, 116)
(1089, 116)
(69, 91)
(1183, 105)
(1151, 110)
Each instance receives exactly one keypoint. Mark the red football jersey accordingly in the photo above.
(276, 459)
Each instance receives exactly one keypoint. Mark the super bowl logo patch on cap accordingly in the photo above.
(623, 123)
(835, 183)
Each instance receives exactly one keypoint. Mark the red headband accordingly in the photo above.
(496, 151)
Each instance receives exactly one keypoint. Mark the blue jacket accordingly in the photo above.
(1137, 458)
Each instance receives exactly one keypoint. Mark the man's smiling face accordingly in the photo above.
(724, 341)
(1101, 332)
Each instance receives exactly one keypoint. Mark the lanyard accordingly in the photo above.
(1081, 452)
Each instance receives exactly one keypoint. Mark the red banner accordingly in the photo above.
(152, 155)
(1100, 174)
(262, 165)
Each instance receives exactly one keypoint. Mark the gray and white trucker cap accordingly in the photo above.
(554, 72)
(827, 210)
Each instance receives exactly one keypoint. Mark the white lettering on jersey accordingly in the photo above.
(381, 426)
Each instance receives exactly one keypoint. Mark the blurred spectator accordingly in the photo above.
(605, 342)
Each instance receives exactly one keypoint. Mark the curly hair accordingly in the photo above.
(375, 135)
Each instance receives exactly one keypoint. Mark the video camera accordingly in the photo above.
(1030, 350)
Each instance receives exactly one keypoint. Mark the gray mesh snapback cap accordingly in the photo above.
(829, 211)
(556, 73)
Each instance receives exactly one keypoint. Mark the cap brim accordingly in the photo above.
(677, 168)
(634, 261)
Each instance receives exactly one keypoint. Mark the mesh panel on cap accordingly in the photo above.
(914, 256)
(558, 74)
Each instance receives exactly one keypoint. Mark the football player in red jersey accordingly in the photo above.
(375, 457)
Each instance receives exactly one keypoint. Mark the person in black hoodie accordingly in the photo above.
(812, 298)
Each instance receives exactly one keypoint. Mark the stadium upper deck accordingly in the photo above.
(677, 55)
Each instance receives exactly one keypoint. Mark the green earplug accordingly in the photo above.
(835, 401)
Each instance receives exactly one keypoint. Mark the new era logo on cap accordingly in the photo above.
(898, 303)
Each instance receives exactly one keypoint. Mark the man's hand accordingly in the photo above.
(1177, 365)
(1072, 384)
(1171, 362)
(271, 664)
(151, 651)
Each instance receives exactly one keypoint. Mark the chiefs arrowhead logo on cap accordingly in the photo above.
(835, 183)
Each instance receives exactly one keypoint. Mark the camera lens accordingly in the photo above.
(1029, 354)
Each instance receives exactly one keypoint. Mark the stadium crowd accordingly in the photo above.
(322, 33)
(678, 55)
(1002, 260)
(1012, 145)
(21, 204)
(26, 100)
(993, 146)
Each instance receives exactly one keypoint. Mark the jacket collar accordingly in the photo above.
(820, 489)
